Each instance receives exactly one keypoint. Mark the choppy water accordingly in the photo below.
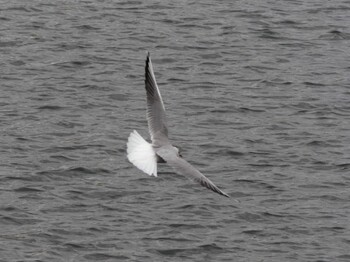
(257, 95)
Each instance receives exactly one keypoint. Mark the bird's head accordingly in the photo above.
(177, 150)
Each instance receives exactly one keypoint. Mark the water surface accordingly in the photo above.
(257, 96)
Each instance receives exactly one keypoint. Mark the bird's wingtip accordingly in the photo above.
(228, 196)
(224, 194)
(148, 58)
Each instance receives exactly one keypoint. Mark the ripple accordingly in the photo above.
(256, 94)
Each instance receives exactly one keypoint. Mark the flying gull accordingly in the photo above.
(144, 155)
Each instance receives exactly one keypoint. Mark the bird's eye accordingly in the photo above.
(180, 155)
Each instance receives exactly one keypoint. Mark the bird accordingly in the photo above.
(144, 155)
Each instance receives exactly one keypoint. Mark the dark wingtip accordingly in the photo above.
(148, 59)
(222, 193)
(226, 195)
(149, 84)
(147, 63)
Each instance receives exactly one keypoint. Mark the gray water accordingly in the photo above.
(257, 96)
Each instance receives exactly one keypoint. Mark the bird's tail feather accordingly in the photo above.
(141, 154)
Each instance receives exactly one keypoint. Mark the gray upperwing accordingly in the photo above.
(155, 107)
(182, 167)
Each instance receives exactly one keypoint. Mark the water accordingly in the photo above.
(257, 96)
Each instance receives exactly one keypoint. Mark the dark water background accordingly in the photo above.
(257, 95)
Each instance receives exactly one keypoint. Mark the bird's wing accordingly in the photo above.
(182, 167)
(155, 107)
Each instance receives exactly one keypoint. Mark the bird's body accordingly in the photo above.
(144, 155)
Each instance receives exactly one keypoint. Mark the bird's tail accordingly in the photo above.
(141, 154)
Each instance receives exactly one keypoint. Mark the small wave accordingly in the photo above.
(27, 189)
(50, 107)
(335, 35)
(104, 256)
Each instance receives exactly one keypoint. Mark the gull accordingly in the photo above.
(144, 155)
